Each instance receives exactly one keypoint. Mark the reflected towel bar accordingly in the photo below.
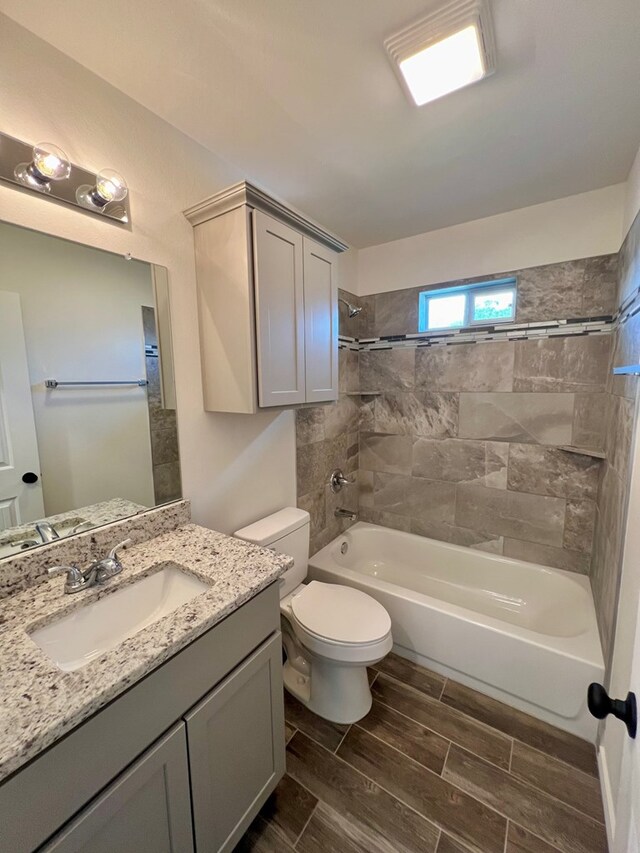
(627, 370)
(53, 383)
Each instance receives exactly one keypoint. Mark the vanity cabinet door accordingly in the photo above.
(236, 749)
(320, 322)
(146, 810)
(279, 299)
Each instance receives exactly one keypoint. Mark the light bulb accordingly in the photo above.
(49, 163)
(110, 186)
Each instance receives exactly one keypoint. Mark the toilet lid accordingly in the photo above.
(340, 613)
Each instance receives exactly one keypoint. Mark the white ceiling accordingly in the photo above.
(299, 95)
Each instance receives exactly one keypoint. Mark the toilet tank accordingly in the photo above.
(286, 532)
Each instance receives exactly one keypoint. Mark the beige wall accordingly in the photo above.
(576, 227)
(82, 318)
(235, 469)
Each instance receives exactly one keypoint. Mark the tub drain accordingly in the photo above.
(344, 548)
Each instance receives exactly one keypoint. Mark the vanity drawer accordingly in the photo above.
(44, 795)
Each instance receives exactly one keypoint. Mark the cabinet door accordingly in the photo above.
(236, 749)
(279, 299)
(320, 322)
(146, 810)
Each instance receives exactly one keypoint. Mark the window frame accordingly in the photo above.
(498, 285)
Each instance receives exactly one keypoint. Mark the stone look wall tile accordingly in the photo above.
(548, 471)
(395, 310)
(600, 286)
(537, 418)
(571, 364)
(466, 367)
(389, 454)
(534, 518)
(427, 500)
(387, 370)
(579, 524)
(455, 461)
(417, 413)
(551, 292)
(547, 555)
(589, 420)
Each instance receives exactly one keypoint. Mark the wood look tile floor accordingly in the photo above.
(435, 767)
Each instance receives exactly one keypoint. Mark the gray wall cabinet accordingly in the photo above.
(267, 283)
(192, 750)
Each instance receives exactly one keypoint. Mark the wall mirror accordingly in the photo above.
(88, 430)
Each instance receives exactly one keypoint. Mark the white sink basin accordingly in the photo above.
(77, 638)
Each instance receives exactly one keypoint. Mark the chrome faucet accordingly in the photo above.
(346, 513)
(46, 531)
(96, 572)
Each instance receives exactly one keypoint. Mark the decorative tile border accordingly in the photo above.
(486, 334)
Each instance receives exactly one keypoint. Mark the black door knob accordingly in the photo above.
(601, 705)
(29, 478)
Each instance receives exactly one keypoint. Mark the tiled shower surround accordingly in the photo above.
(461, 441)
(620, 406)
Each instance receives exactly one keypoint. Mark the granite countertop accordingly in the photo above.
(40, 702)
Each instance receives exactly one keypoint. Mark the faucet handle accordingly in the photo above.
(75, 577)
(113, 553)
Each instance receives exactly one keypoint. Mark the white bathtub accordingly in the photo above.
(522, 633)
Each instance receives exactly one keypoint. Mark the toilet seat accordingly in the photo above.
(340, 623)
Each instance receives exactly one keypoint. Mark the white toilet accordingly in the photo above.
(331, 633)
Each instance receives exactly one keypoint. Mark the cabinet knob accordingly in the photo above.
(601, 705)
(29, 478)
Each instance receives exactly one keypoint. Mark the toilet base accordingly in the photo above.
(339, 693)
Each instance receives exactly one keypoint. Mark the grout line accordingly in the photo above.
(527, 784)
(373, 680)
(535, 835)
(335, 751)
(420, 814)
(511, 754)
(306, 823)
(439, 828)
(444, 685)
(446, 758)
(289, 739)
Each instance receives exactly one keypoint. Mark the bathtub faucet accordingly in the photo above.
(346, 513)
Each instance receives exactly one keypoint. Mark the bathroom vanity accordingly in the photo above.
(168, 740)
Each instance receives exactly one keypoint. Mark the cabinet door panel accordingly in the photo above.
(236, 749)
(321, 323)
(146, 810)
(279, 295)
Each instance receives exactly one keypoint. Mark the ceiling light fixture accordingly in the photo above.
(444, 51)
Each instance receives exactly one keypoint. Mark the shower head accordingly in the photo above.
(353, 310)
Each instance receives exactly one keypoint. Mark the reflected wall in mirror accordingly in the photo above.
(75, 456)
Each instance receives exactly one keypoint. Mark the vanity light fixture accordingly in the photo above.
(46, 169)
(446, 50)
(49, 163)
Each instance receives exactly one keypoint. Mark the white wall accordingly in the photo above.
(575, 227)
(235, 468)
(82, 319)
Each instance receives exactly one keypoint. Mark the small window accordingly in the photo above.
(481, 304)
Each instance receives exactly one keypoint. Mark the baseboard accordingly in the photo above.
(607, 796)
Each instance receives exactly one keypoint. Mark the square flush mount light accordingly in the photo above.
(444, 51)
